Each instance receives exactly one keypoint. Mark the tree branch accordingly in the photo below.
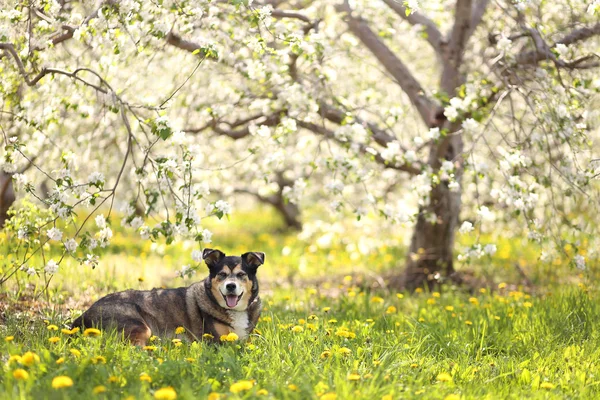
(580, 34)
(391, 62)
(434, 36)
(177, 41)
(363, 149)
(477, 16)
(453, 57)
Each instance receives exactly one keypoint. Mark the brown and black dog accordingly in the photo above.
(226, 301)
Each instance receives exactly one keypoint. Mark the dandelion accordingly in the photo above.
(328, 396)
(70, 331)
(241, 386)
(98, 360)
(547, 385)
(54, 339)
(391, 310)
(92, 332)
(444, 377)
(297, 329)
(325, 354)
(176, 342)
(326, 309)
(262, 392)
(29, 358)
(99, 389)
(527, 304)
(208, 336)
(230, 337)
(60, 361)
(449, 308)
(190, 360)
(144, 377)
(75, 352)
(213, 396)
(377, 300)
(452, 396)
(293, 387)
(52, 328)
(387, 397)
(150, 348)
(354, 377)
(468, 322)
(20, 374)
(179, 330)
(399, 295)
(9, 338)
(166, 393)
(61, 382)
(501, 285)
(344, 351)
(414, 365)
(473, 300)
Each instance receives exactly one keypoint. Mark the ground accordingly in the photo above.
(328, 329)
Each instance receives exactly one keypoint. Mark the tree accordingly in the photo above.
(502, 82)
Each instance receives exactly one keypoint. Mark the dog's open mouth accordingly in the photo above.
(232, 300)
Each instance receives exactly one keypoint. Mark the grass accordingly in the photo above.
(359, 343)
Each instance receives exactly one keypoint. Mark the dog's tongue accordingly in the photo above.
(231, 300)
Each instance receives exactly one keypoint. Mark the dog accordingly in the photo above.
(226, 301)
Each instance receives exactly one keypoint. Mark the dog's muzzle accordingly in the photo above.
(232, 297)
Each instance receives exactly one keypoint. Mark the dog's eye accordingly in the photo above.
(222, 275)
(241, 275)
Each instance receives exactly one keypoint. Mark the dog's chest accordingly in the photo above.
(239, 323)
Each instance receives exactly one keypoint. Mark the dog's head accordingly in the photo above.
(232, 279)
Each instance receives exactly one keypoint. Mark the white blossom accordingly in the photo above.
(197, 255)
(466, 227)
(51, 267)
(206, 236)
(54, 234)
(71, 245)
(504, 44)
(100, 221)
(223, 206)
(579, 261)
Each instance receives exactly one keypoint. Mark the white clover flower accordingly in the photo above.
(197, 255)
(51, 267)
(579, 261)
(223, 206)
(54, 234)
(100, 221)
(466, 227)
(206, 236)
(71, 245)
(470, 125)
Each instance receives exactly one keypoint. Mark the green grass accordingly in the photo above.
(337, 337)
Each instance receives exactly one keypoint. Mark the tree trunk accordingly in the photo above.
(431, 249)
(289, 212)
(7, 196)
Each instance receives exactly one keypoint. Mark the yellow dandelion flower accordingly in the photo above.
(208, 336)
(9, 338)
(387, 397)
(241, 386)
(376, 299)
(452, 396)
(176, 342)
(344, 351)
(436, 295)
(60, 382)
(547, 385)
(20, 374)
(421, 319)
(70, 331)
(152, 338)
(262, 392)
(391, 310)
(113, 379)
(328, 396)
(354, 377)
(166, 393)
(313, 317)
(190, 359)
(150, 348)
(179, 330)
(444, 377)
(419, 290)
(293, 387)
(497, 318)
(449, 308)
(213, 396)
(482, 290)
(414, 365)
(60, 361)
(297, 329)
(376, 362)
(29, 359)
(98, 360)
(92, 332)
(527, 304)
(332, 321)
(230, 337)
(431, 301)
(325, 354)
(99, 389)
(52, 327)
(53, 339)
(501, 285)
(144, 377)
(473, 300)
(468, 322)
(301, 321)
(399, 295)
(326, 309)
(75, 352)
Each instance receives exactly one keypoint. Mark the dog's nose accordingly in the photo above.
(230, 286)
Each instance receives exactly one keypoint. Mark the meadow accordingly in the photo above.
(328, 329)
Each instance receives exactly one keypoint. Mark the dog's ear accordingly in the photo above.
(212, 257)
(254, 259)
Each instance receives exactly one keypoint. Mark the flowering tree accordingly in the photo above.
(157, 105)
